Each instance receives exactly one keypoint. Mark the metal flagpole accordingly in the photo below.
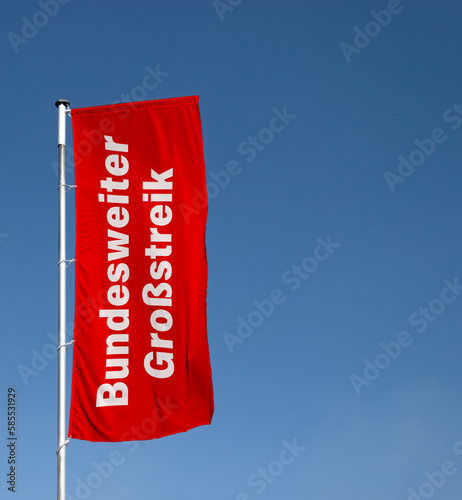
(62, 106)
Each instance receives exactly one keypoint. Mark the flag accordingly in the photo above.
(141, 366)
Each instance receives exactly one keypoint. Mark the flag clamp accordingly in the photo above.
(69, 186)
(69, 262)
(67, 344)
(64, 444)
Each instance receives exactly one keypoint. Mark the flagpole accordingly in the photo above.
(62, 106)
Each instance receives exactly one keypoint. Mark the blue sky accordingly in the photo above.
(349, 386)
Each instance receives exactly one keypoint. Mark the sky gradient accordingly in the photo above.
(332, 140)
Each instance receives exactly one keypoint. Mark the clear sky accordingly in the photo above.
(341, 124)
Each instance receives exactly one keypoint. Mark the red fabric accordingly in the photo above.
(141, 272)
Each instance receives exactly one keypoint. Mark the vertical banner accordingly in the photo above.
(141, 358)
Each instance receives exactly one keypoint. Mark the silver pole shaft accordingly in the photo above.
(62, 105)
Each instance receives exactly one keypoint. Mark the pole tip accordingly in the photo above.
(62, 101)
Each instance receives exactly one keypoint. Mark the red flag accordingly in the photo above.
(141, 358)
